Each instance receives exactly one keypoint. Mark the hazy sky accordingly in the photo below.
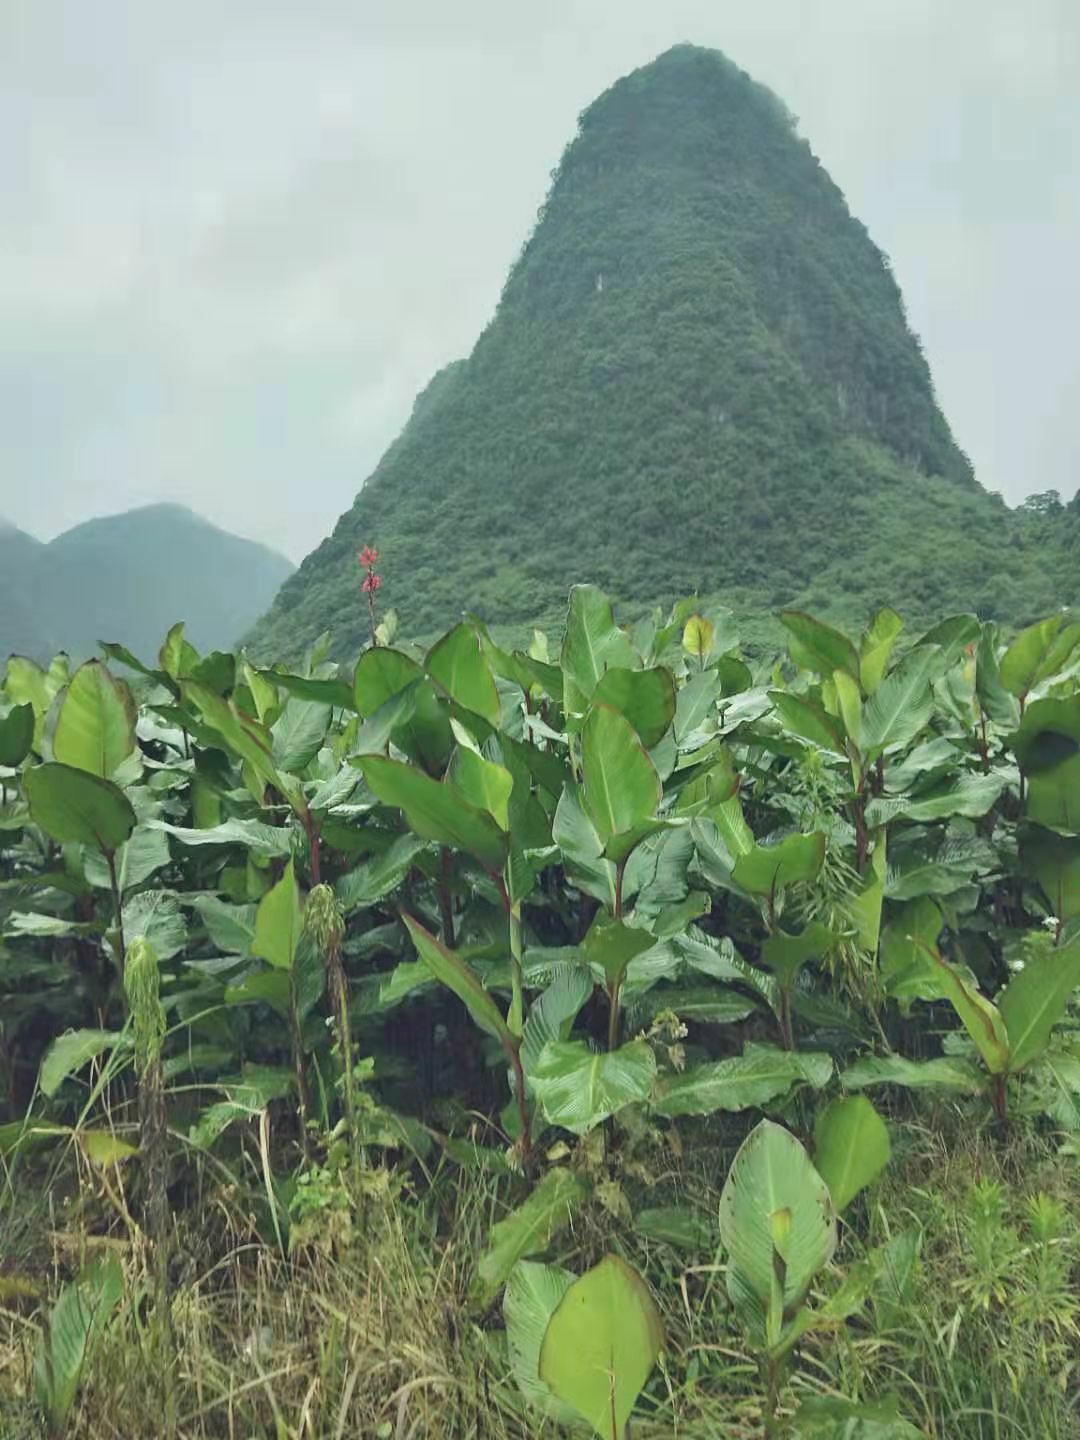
(237, 236)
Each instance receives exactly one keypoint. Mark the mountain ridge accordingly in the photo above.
(699, 377)
(129, 576)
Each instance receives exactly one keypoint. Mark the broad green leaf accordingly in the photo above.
(906, 971)
(579, 1088)
(177, 657)
(644, 697)
(786, 954)
(68, 1053)
(231, 927)
(696, 703)
(768, 869)
(980, 1018)
(971, 795)
(553, 1012)
(334, 693)
(484, 784)
(456, 975)
(1047, 744)
(457, 663)
(774, 1206)
(435, 809)
(104, 1149)
(592, 644)
(601, 1345)
(808, 720)
(817, 646)
(902, 704)
(16, 735)
(252, 835)
(279, 923)
(612, 944)
(876, 646)
(996, 702)
(1037, 653)
(155, 915)
(528, 1230)
(297, 735)
(865, 906)
(95, 722)
(675, 1225)
(827, 1417)
(247, 740)
(704, 1004)
(698, 637)
(622, 789)
(943, 1073)
(72, 805)
(849, 703)
(265, 987)
(851, 1147)
(762, 1073)
(952, 636)
(144, 853)
(1035, 999)
(77, 1319)
(582, 849)
(1053, 861)
(532, 1293)
(376, 879)
(382, 673)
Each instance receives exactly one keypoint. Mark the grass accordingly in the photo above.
(368, 1331)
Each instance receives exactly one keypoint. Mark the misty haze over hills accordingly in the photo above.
(129, 577)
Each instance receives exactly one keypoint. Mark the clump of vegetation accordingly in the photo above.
(490, 1042)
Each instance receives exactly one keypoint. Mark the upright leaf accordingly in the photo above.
(592, 644)
(72, 805)
(1035, 999)
(458, 664)
(980, 1018)
(644, 697)
(279, 923)
(851, 1147)
(817, 646)
(457, 976)
(622, 788)
(528, 1229)
(435, 809)
(902, 704)
(876, 646)
(95, 722)
(601, 1345)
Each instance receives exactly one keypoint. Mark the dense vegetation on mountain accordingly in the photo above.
(131, 575)
(699, 377)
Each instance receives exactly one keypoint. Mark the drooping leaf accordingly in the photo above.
(528, 1230)
(1047, 744)
(72, 805)
(1035, 999)
(435, 809)
(297, 734)
(786, 954)
(456, 975)
(601, 1345)
(279, 923)
(612, 944)
(1054, 862)
(155, 915)
(943, 1073)
(144, 853)
(553, 1012)
(579, 1088)
(768, 869)
(675, 1225)
(484, 784)
(382, 673)
(376, 879)
(231, 927)
(905, 969)
(762, 1073)
(808, 720)
(16, 735)
(621, 786)
(817, 646)
(981, 1019)
(851, 1147)
(68, 1054)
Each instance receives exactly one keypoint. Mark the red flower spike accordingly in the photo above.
(370, 584)
(368, 555)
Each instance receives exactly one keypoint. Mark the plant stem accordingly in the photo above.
(787, 1035)
(446, 900)
(613, 1017)
(297, 1043)
(118, 909)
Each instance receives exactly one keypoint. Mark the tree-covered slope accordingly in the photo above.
(130, 577)
(699, 376)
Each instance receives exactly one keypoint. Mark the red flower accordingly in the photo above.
(367, 556)
(370, 584)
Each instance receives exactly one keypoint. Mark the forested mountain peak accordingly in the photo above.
(699, 376)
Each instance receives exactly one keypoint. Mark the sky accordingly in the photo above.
(236, 239)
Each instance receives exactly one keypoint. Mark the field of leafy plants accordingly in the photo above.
(625, 1037)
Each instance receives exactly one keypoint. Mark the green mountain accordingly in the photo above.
(699, 376)
(129, 577)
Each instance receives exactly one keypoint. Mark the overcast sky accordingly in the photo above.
(237, 236)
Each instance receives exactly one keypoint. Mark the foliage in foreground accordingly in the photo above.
(302, 947)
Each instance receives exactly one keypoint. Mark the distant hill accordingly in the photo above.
(699, 377)
(129, 577)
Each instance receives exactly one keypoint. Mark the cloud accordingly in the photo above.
(238, 239)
